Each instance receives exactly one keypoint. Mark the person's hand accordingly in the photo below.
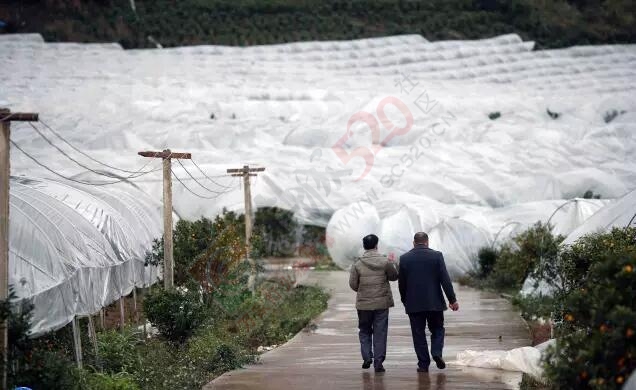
(454, 306)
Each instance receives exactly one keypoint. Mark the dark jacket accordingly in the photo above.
(423, 275)
(369, 277)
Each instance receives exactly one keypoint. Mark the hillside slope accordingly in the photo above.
(250, 22)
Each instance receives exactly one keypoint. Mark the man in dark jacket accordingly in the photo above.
(423, 275)
(369, 277)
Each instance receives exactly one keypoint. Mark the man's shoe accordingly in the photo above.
(379, 369)
(420, 369)
(441, 364)
(366, 364)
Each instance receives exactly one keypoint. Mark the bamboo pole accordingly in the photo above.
(92, 335)
(77, 342)
(122, 312)
(135, 314)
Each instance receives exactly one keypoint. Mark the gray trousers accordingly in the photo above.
(373, 325)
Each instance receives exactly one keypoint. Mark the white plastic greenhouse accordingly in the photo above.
(459, 231)
(621, 213)
(75, 249)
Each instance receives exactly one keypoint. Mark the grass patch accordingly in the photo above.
(228, 342)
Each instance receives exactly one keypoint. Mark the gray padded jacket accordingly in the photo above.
(369, 277)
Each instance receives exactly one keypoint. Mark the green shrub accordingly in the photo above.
(529, 382)
(534, 247)
(203, 238)
(99, 381)
(205, 355)
(32, 362)
(533, 307)
(282, 312)
(176, 314)
(594, 306)
(570, 270)
(228, 343)
(277, 227)
(191, 238)
(210, 352)
(117, 350)
(166, 366)
(232, 298)
(487, 258)
(216, 353)
(596, 341)
(155, 256)
(315, 247)
(470, 280)
(509, 271)
(223, 261)
(44, 369)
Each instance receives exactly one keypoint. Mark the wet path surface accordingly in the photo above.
(328, 356)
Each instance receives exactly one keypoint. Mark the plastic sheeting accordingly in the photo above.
(346, 229)
(524, 359)
(459, 231)
(564, 216)
(631, 382)
(621, 213)
(287, 111)
(459, 241)
(76, 249)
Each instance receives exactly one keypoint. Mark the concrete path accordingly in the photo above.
(328, 356)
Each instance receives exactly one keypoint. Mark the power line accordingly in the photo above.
(132, 176)
(198, 182)
(207, 177)
(61, 175)
(192, 192)
(184, 179)
(135, 174)
(86, 154)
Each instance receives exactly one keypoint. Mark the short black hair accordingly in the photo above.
(370, 241)
(420, 238)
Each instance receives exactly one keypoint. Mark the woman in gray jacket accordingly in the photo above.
(369, 277)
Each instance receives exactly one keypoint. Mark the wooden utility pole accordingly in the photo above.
(246, 172)
(168, 251)
(6, 117)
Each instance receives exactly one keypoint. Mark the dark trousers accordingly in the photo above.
(435, 320)
(373, 325)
